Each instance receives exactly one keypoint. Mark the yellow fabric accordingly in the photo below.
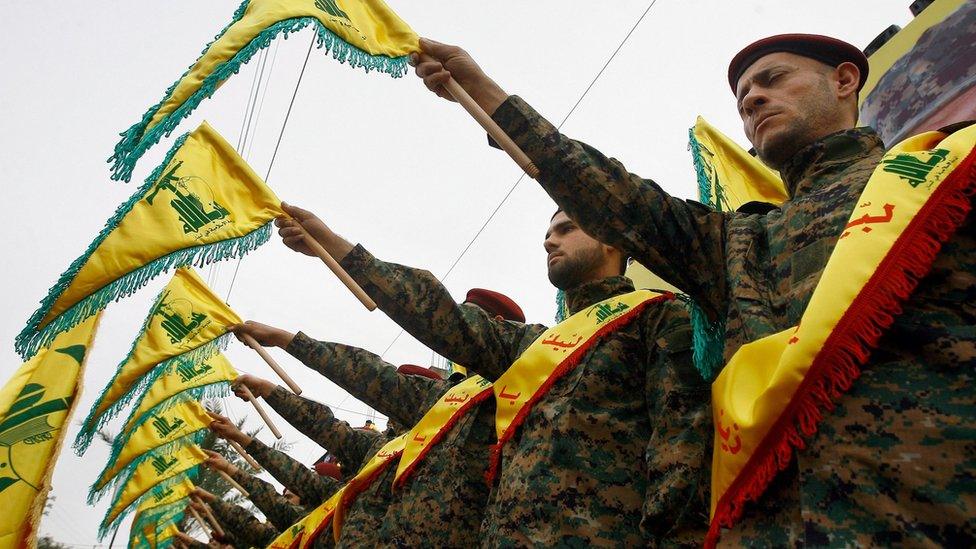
(881, 61)
(151, 472)
(165, 427)
(440, 415)
(642, 277)
(160, 496)
(518, 386)
(741, 177)
(369, 25)
(183, 376)
(188, 314)
(390, 451)
(762, 377)
(301, 533)
(34, 405)
(206, 194)
(166, 533)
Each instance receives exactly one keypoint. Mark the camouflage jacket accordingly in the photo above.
(245, 528)
(364, 517)
(311, 487)
(893, 462)
(595, 462)
(443, 502)
(316, 421)
(280, 512)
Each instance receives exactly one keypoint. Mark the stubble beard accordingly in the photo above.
(779, 148)
(572, 271)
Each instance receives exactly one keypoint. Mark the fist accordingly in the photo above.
(267, 336)
(258, 387)
(202, 494)
(291, 233)
(217, 462)
(225, 429)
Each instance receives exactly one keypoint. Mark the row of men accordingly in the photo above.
(615, 443)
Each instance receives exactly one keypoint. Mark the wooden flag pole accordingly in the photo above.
(200, 520)
(252, 343)
(233, 483)
(257, 406)
(247, 457)
(337, 269)
(210, 517)
(489, 125)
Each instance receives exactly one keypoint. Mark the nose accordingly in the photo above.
(753, 99)
(549, 244)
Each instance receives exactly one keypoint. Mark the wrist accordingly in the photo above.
(282, 340)
(489, 96)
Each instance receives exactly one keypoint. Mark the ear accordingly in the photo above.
(847, 76)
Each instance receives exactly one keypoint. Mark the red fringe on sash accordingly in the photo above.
(318, 530)
(564, 367)
(353, 490)
(458, 414)
(838, 364)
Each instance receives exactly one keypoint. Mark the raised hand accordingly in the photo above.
(258, 387)
(202, 494)
(267, 336)
(225, 429)
(441, 62)
(217, 462)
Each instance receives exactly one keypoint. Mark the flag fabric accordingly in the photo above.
(362, 33)
(202, 204)
(147, 522)
(158, 434)
(159, 473)
(35, 404)
(728, 176)
(187, 322)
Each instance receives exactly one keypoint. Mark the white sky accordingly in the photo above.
(381, 160)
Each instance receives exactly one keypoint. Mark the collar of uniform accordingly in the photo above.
(589, 293)
(835, 150)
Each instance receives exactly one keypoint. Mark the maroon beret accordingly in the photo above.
(495, 304)
(325, 469)
(412, 370)
(825, 49)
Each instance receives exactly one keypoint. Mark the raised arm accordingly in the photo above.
(238, 521)
(311, 487)
(680, 241)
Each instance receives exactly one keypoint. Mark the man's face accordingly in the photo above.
(786, 102)
(573, 256)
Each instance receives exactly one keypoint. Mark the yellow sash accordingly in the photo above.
(304, 532)
(552, 355)
(364, 478)
(291, 538)
(773, 390)
(437, 421)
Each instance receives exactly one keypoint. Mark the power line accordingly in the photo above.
(522, 175)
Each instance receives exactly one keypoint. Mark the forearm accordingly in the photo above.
(317, 422)
(368, 378)
(679, 241)
(422, 306)
(308, 485)
(244, 526)
(266, 498)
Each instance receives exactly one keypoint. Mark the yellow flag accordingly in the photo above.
(362, 33)
(187, 322)
(202, 204)
(187, 379)
(162, 498)
(147, 523)
(34, 405)
(160, 472)
(728, 176)
(182, 424)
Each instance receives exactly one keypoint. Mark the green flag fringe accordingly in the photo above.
(34, 337)
(92, 424)
(105, 527)
(173, 515)
(701, 173)
(562, 309)
(96, 492)
(137, 140)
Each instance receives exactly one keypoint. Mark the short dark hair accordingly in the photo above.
(554, 214)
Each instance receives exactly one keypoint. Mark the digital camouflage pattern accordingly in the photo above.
(245, 529)
(308, 485)
(596, 462)
(279, 511)
(893, 463)
(443, 502)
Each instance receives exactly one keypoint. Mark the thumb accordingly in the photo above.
(296, 212)
(436, 49)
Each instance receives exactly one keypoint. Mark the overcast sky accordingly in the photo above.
(381, 160)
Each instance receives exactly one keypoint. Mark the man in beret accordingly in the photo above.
(444, 503)
(892, 459)
(613, 446)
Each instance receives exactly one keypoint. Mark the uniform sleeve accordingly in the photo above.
(680, 241)
(311, 487)
(422, 306)
(279, 511)
(317, 422)
(369, 378)
(678, 454)
(242, 525)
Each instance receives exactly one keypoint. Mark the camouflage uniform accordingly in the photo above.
(244, 527)
(443, 502)
(894, 461)
(595, 462)
(280, 512)
(311, 487)
(353, 447)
